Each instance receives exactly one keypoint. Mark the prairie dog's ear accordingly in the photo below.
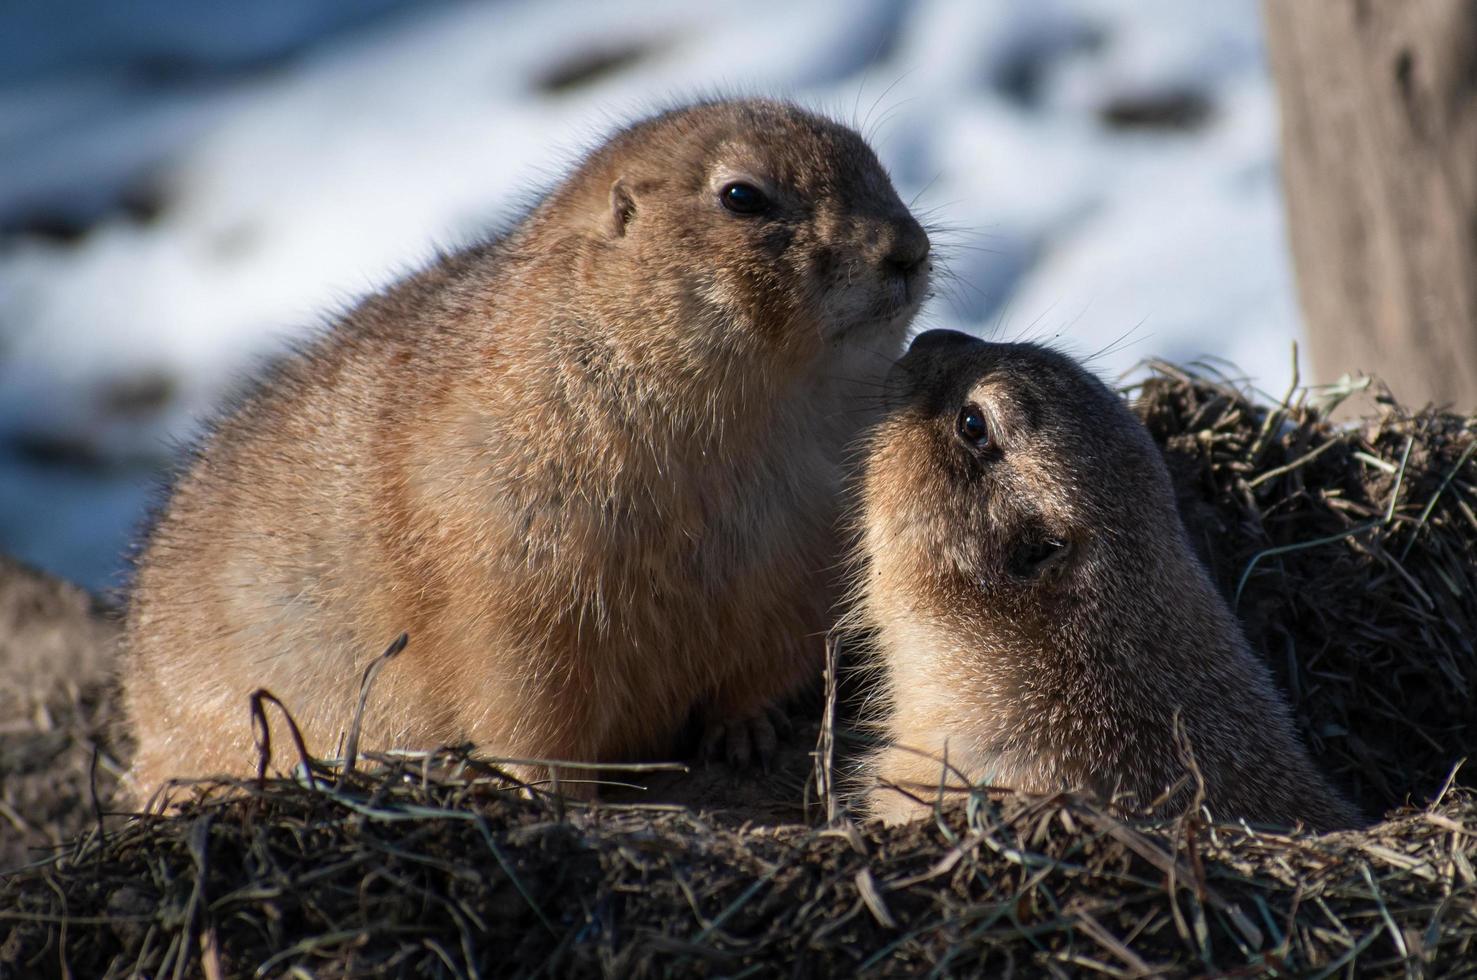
(1037, 552)
(622, 207)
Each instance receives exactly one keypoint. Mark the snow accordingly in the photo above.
(301, 155)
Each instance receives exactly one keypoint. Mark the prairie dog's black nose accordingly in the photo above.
(928, 353)
(933, 341)
(909, 248)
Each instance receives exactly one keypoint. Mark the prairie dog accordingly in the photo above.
(592, 468)
(1040, 616)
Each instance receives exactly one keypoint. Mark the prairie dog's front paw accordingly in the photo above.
(743, 740)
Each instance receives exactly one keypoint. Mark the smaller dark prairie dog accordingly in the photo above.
(593, 468)
(1039, 615)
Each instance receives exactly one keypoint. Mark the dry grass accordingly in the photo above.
(1351, 557)
(1350, 554)
(452, 875)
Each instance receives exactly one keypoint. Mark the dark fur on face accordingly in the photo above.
(1040, 613)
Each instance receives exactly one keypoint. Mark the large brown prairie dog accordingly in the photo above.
(1038, 613)
(592, 468)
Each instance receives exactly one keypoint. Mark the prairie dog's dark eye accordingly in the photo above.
(973, 428)
(742, 198)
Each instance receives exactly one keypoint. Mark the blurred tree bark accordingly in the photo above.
(1379, 161)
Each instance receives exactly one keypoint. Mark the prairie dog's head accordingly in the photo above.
(751, 226)
(1005, 484)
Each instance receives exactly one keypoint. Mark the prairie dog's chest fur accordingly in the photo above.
(618, 501)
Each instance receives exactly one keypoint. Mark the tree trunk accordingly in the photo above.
(1379, 161)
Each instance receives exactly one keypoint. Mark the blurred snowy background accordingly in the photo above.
(185, 185)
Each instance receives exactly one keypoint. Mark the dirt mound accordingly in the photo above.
(455, 876)
(1350, 555)
(57, 710)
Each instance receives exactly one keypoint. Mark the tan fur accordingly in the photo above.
(591, 468)
(1079, 673)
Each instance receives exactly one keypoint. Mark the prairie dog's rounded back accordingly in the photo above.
(1040, 617)
(591, 468)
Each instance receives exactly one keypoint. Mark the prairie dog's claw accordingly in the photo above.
(741, 741)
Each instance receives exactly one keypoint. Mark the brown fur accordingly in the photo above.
(592, 468)
(1077, 671)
